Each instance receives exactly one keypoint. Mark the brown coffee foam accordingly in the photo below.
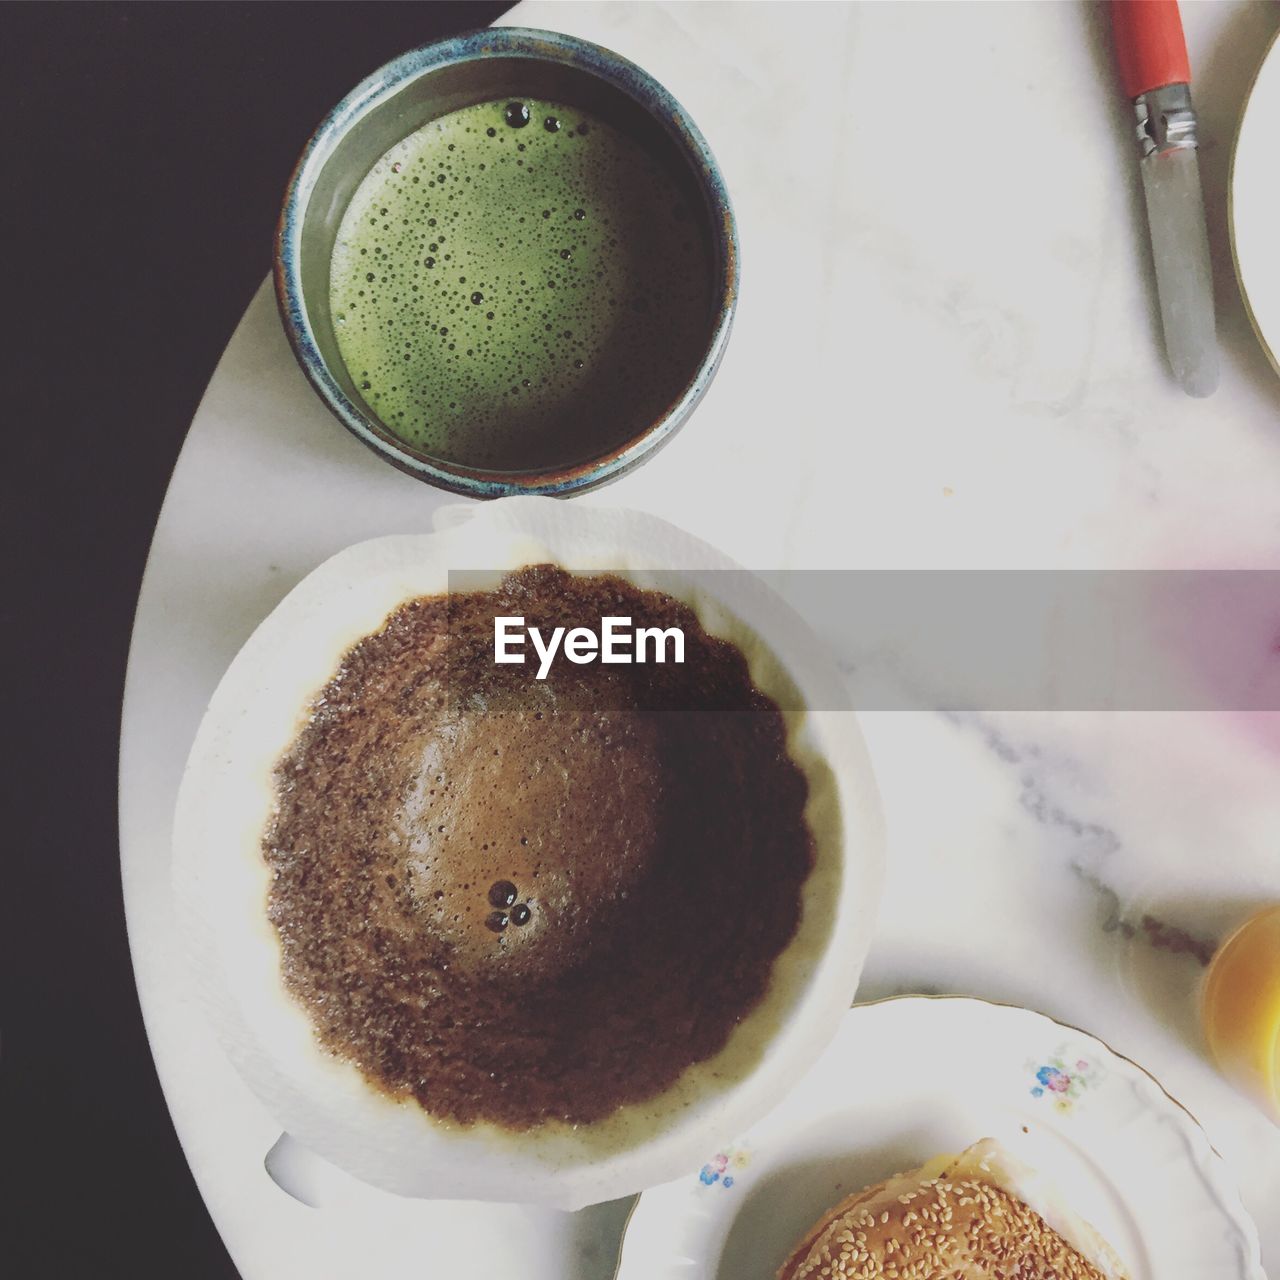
(559, 806)
(669, 848)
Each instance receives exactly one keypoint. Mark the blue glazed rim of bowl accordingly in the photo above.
(507, 43)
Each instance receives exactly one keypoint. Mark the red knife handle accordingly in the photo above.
(1150, 46)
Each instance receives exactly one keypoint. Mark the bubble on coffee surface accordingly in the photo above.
(520, 297)
(502, 894)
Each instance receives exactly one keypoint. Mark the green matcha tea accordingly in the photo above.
(521, 285)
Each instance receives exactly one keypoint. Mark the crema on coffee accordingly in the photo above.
(521, 901)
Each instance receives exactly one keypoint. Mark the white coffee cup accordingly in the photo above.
(221, 878)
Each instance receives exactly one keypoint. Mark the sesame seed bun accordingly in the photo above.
(981, 1215)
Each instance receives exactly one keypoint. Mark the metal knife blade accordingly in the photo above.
(1151, 53)
(1184, 276)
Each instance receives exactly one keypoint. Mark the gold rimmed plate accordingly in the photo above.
(909, 1078)
(1255, 204)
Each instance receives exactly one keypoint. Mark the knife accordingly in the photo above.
(1152, 55)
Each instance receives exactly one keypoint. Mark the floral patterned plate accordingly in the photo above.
(914, 1077)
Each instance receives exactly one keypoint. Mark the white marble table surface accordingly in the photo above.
(946, 356)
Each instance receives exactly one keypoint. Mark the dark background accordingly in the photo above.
(145, 151)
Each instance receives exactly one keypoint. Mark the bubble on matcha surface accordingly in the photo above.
(595, 301)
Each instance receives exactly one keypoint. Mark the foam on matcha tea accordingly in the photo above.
(521, 284)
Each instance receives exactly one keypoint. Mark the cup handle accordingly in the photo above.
(302, 1174)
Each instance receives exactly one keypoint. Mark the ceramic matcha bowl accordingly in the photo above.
(421, 87)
